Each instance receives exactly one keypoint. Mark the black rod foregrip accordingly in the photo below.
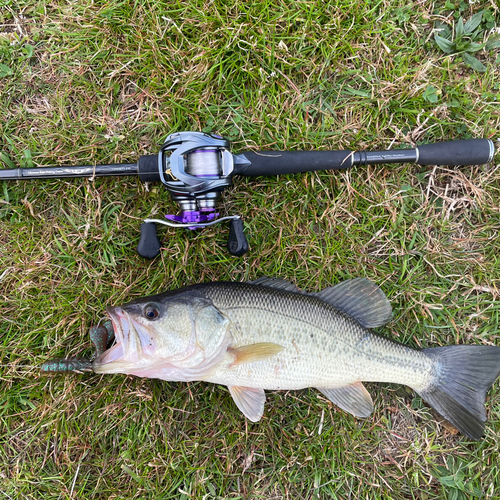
(292, 162)
(148, 168)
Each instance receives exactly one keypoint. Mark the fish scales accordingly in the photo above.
(324, 347)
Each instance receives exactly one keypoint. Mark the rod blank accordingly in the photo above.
(68, 172)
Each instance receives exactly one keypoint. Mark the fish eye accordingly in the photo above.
(151, 311)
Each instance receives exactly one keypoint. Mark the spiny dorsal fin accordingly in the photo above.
(352, 398)
(361, 299)
(254, 352)
(249, 400)
(275, 283)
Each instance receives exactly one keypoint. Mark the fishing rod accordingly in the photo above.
(196, 167)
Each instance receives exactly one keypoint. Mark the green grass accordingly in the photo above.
(98, 82)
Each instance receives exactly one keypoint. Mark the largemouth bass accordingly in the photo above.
(267, 335)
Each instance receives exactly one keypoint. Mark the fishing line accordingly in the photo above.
(203, 163)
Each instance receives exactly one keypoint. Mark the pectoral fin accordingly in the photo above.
(250, 401)
(352, 398)
(254, 352)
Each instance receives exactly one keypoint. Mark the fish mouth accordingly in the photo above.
(121, 328)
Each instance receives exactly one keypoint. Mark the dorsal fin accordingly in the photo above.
(275, 283)
(361, 299)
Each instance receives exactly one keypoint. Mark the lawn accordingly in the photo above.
(104, 82)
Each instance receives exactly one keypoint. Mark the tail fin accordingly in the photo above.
(463, 375)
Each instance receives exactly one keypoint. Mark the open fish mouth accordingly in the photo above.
(121, 328)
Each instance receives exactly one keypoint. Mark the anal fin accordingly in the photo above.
(249, 400)
(352, 398)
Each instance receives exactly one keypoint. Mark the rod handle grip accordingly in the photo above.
(454, 153)
(292, 162)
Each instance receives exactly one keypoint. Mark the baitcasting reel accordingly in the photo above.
(196, 167)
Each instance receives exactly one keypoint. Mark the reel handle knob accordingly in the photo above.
(237, 243)
(149, 245)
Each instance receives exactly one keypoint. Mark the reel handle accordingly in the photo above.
(149, 245)
(237, 243)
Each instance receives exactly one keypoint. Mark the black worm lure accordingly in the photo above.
(101, 336)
